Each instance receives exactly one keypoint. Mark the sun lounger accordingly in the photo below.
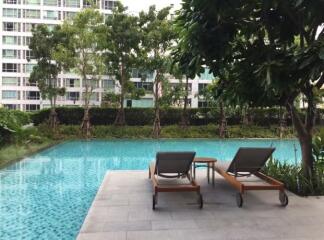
(173, 165)
(248, 162)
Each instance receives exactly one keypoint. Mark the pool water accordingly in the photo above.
(47, 196)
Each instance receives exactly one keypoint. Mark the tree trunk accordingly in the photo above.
(245, 116)
(222, 124)
(86, 122)
(120, 117)
(282, 124)
(304, 134)
(184, 116)
(85, 126)
(157, 123)
(53, 120)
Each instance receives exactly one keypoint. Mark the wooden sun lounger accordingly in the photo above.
(155, 171)
(235, 173)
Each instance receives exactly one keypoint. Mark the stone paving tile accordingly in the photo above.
(103, 236)
(122, 210)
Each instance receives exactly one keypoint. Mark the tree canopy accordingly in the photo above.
(268, 50)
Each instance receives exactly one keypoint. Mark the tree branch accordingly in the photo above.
(320, 82)
(299, 126)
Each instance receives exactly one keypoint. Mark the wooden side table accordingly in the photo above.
(210, 164)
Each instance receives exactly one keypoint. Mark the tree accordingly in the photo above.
(179, 71)
(82, 54)
(158, 38)
(270, 49)
(43, 45)
(122, 47)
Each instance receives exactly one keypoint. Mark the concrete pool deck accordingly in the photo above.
(122, 209)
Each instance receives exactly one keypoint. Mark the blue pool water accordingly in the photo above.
(47, 196)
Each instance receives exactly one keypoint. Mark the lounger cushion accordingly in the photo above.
(173, 162)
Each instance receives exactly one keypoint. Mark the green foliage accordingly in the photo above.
(66, 132)
(11, 122)
(169, 116)
(111, 99)
(251, 46)
(294, 179)
(44, 44)
(123, 53)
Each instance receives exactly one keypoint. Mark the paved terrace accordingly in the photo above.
(122, 210)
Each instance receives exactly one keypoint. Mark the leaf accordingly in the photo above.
(321, 53)
(299, 2)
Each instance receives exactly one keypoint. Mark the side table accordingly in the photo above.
(210, 164)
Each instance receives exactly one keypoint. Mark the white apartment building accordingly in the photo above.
(17, 19)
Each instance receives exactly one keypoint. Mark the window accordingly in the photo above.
(50, 27)
(28, 68)
(129, 103)
(73, 96)
(202, 104)
(11, 1)
(69, 15)
(11, 27)
(29, 26)
(10, 81)
(108, 4)
(28, 54)
(94, 97)
(141, 74)
(32, 2)
(31, 13)
(108, 84)
(148, 86)
(201, 87)
(10, 67)
(88, 3)
(27, 83)
(26, 41)
(10, 54)
(72, 3)
(10, 40)
(31, 107)
(72, 82)
(51, 15)
(50, 3)
(91, 83)
(12, 106)
(11, 12)
(10, 94)
(32, 95)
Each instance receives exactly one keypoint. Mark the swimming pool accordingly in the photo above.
(47, 196)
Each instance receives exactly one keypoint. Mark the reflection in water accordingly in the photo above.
(47, 196)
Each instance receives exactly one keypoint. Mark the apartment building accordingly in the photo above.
(17, 19)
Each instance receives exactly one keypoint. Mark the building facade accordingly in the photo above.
(18, 17)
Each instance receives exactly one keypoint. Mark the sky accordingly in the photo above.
(136, 6)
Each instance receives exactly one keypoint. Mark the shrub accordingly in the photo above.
(11, 122)
(169, 116)
(293, 178)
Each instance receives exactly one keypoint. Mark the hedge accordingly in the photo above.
(169, 116)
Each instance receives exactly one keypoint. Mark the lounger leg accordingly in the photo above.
(213, 173)
(208, 177)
